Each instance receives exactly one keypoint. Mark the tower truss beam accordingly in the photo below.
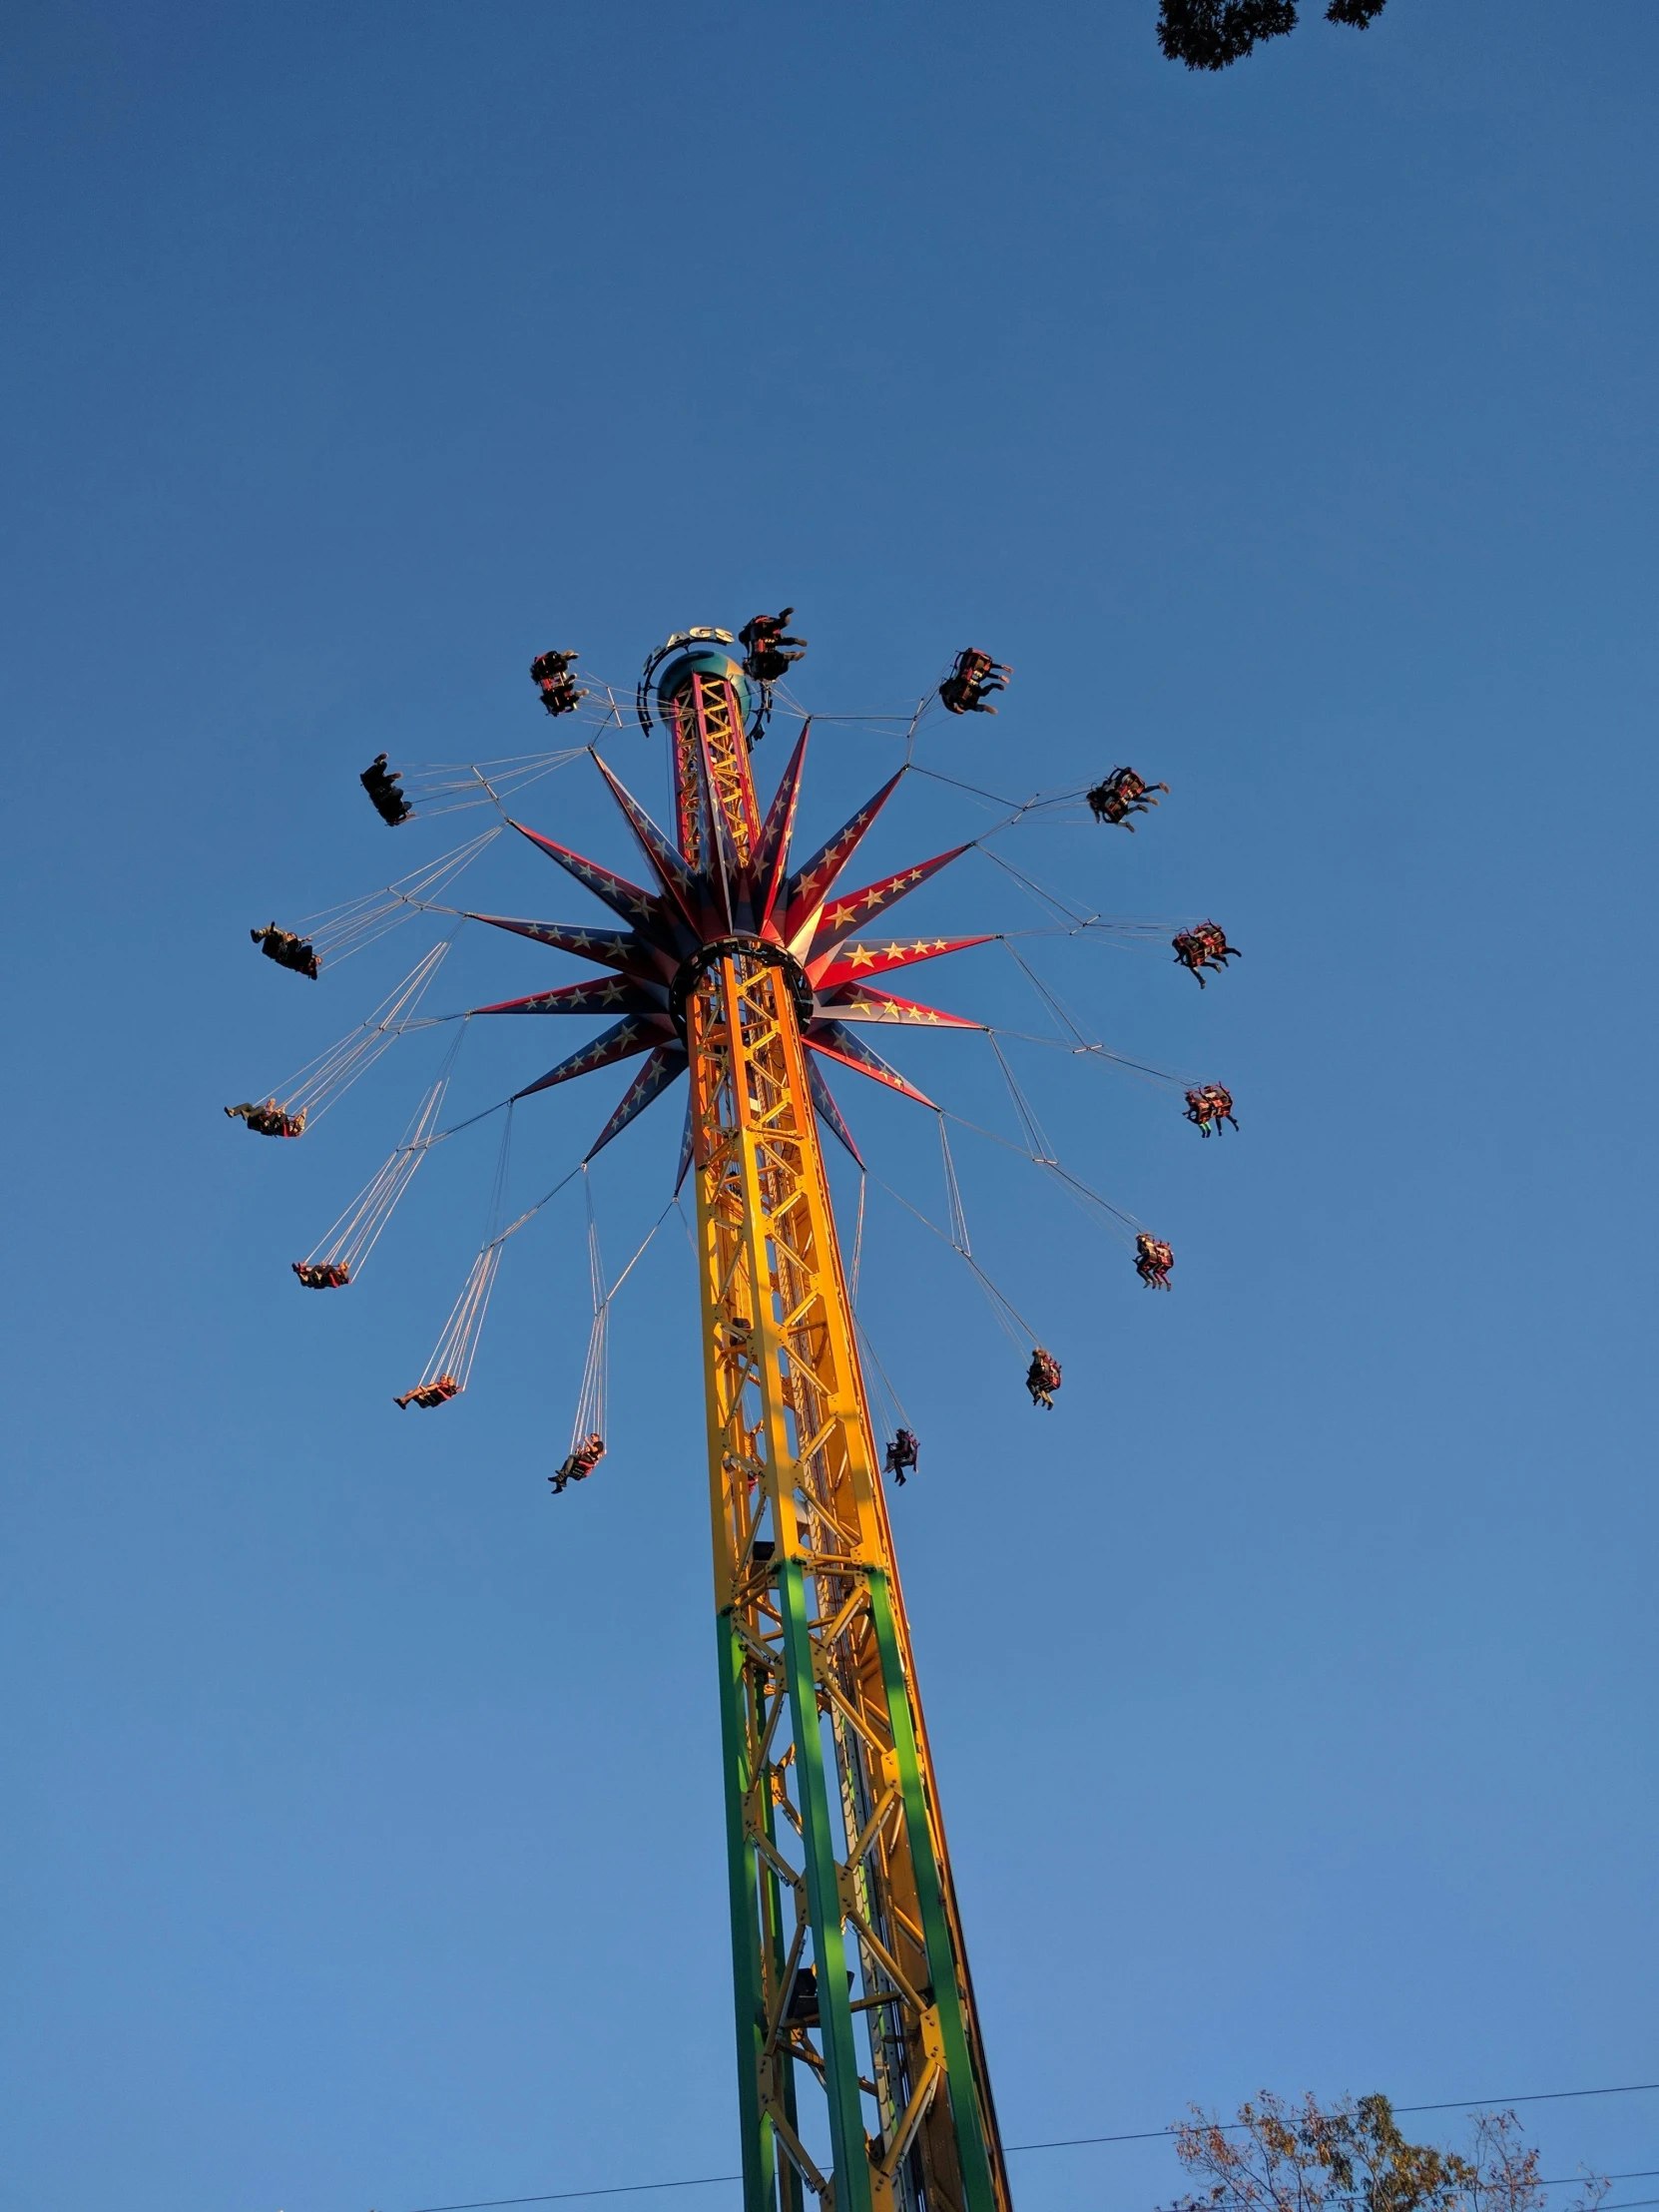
(863, 2080)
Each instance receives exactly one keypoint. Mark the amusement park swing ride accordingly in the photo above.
(861, 2073)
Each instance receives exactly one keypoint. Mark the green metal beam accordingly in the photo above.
(941, 1954)
(749, 1991)
(823, 1901)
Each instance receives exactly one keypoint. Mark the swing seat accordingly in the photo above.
(382, 784)
(289, 949)
(269, 1120)
(428, 1395)
(584, 1458)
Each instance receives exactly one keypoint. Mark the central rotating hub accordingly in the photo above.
(759, 950)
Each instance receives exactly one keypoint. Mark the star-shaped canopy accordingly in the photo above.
(691, 908)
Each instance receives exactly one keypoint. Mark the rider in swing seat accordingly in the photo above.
(382, 784)
(903, 1454)
(583, 1459)
(1207, 1107)
(1153, 1262)
(269, 1120)
(1204, 947)
(428, 1395)
(287, 949)
(560, 693)
(767, 642)
(1043, 1379)
(964, 690)
(1121, 795)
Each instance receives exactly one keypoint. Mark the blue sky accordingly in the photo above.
(1291, 431)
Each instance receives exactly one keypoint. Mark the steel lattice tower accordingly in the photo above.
(836, 1847)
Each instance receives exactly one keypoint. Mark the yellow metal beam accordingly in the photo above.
(822, 1716)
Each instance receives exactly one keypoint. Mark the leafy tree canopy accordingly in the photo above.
(1353, 2158)
(1211, 34)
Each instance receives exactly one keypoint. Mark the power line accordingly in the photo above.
(637, 2188)
(1073, 2142)
(1538, 2096)
(617, 2189)
(1449, 2104)
(634, 2188)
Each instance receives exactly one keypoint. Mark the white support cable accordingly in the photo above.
(590, 1400)
(483, 1114)
(348, 1243)
(1002, 1307)
(862, 1334)
(613, 718)
(857, 1243)
(953, 1197)
(1051, 999)
(1094, 1053)
(593, 1399)
(960, 1238)
(530, 1211)
(490, 1266)
(499, 1188)
(1018, 808)
(1066, 910)
(887, 1427)
(457, 1347)
(1073, 1184)
(335, 918)
(645, 1241)
(1122, 1226)
(1139, 936)
(316, 1086)
(339, 931)
(435, 788)
(922, 704)
(899, 726)
(1136, 933)
(354, 1234)
(1036, 1135)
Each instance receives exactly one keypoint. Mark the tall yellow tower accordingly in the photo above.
(860, 2066)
